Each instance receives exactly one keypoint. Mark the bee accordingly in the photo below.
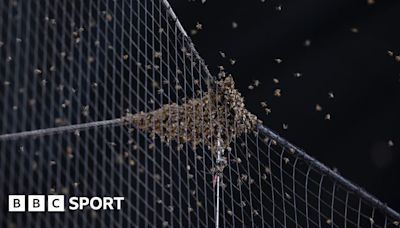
(69, 152)
(328, 116)
(251, 181)
(239, 182)
(297, 74)
(242, 204)
(199, 26)
(318, 108)
(277, 93)
(109, 17)
(286, 160)
(37, 71)
(85, 110)
(157, 54)
(288, 196)
(371, 220)
(354, 30)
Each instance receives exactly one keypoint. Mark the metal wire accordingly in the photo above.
(62, 129)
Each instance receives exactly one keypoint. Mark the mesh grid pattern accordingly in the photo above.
(69, 72)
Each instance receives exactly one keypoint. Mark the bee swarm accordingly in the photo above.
(220, 112)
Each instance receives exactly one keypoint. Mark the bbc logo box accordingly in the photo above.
(36, 203)
(16, 203)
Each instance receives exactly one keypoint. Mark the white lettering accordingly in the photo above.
(119, 200)
(83, 201)
(93, 204)
(55, 203)
(16, 203)
(108, 203)
(36, 203)
(73, 203)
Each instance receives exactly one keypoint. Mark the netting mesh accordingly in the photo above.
(79, 80)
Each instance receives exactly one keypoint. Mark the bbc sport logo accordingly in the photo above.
(56, 203)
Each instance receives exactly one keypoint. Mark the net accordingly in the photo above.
(110, 98)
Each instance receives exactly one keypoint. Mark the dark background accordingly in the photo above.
(348, 55)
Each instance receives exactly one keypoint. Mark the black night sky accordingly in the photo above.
(347, 48)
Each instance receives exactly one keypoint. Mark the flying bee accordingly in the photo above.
(277, 93)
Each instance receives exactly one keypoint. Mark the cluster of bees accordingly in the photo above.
(219, 115)
(396, 57)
